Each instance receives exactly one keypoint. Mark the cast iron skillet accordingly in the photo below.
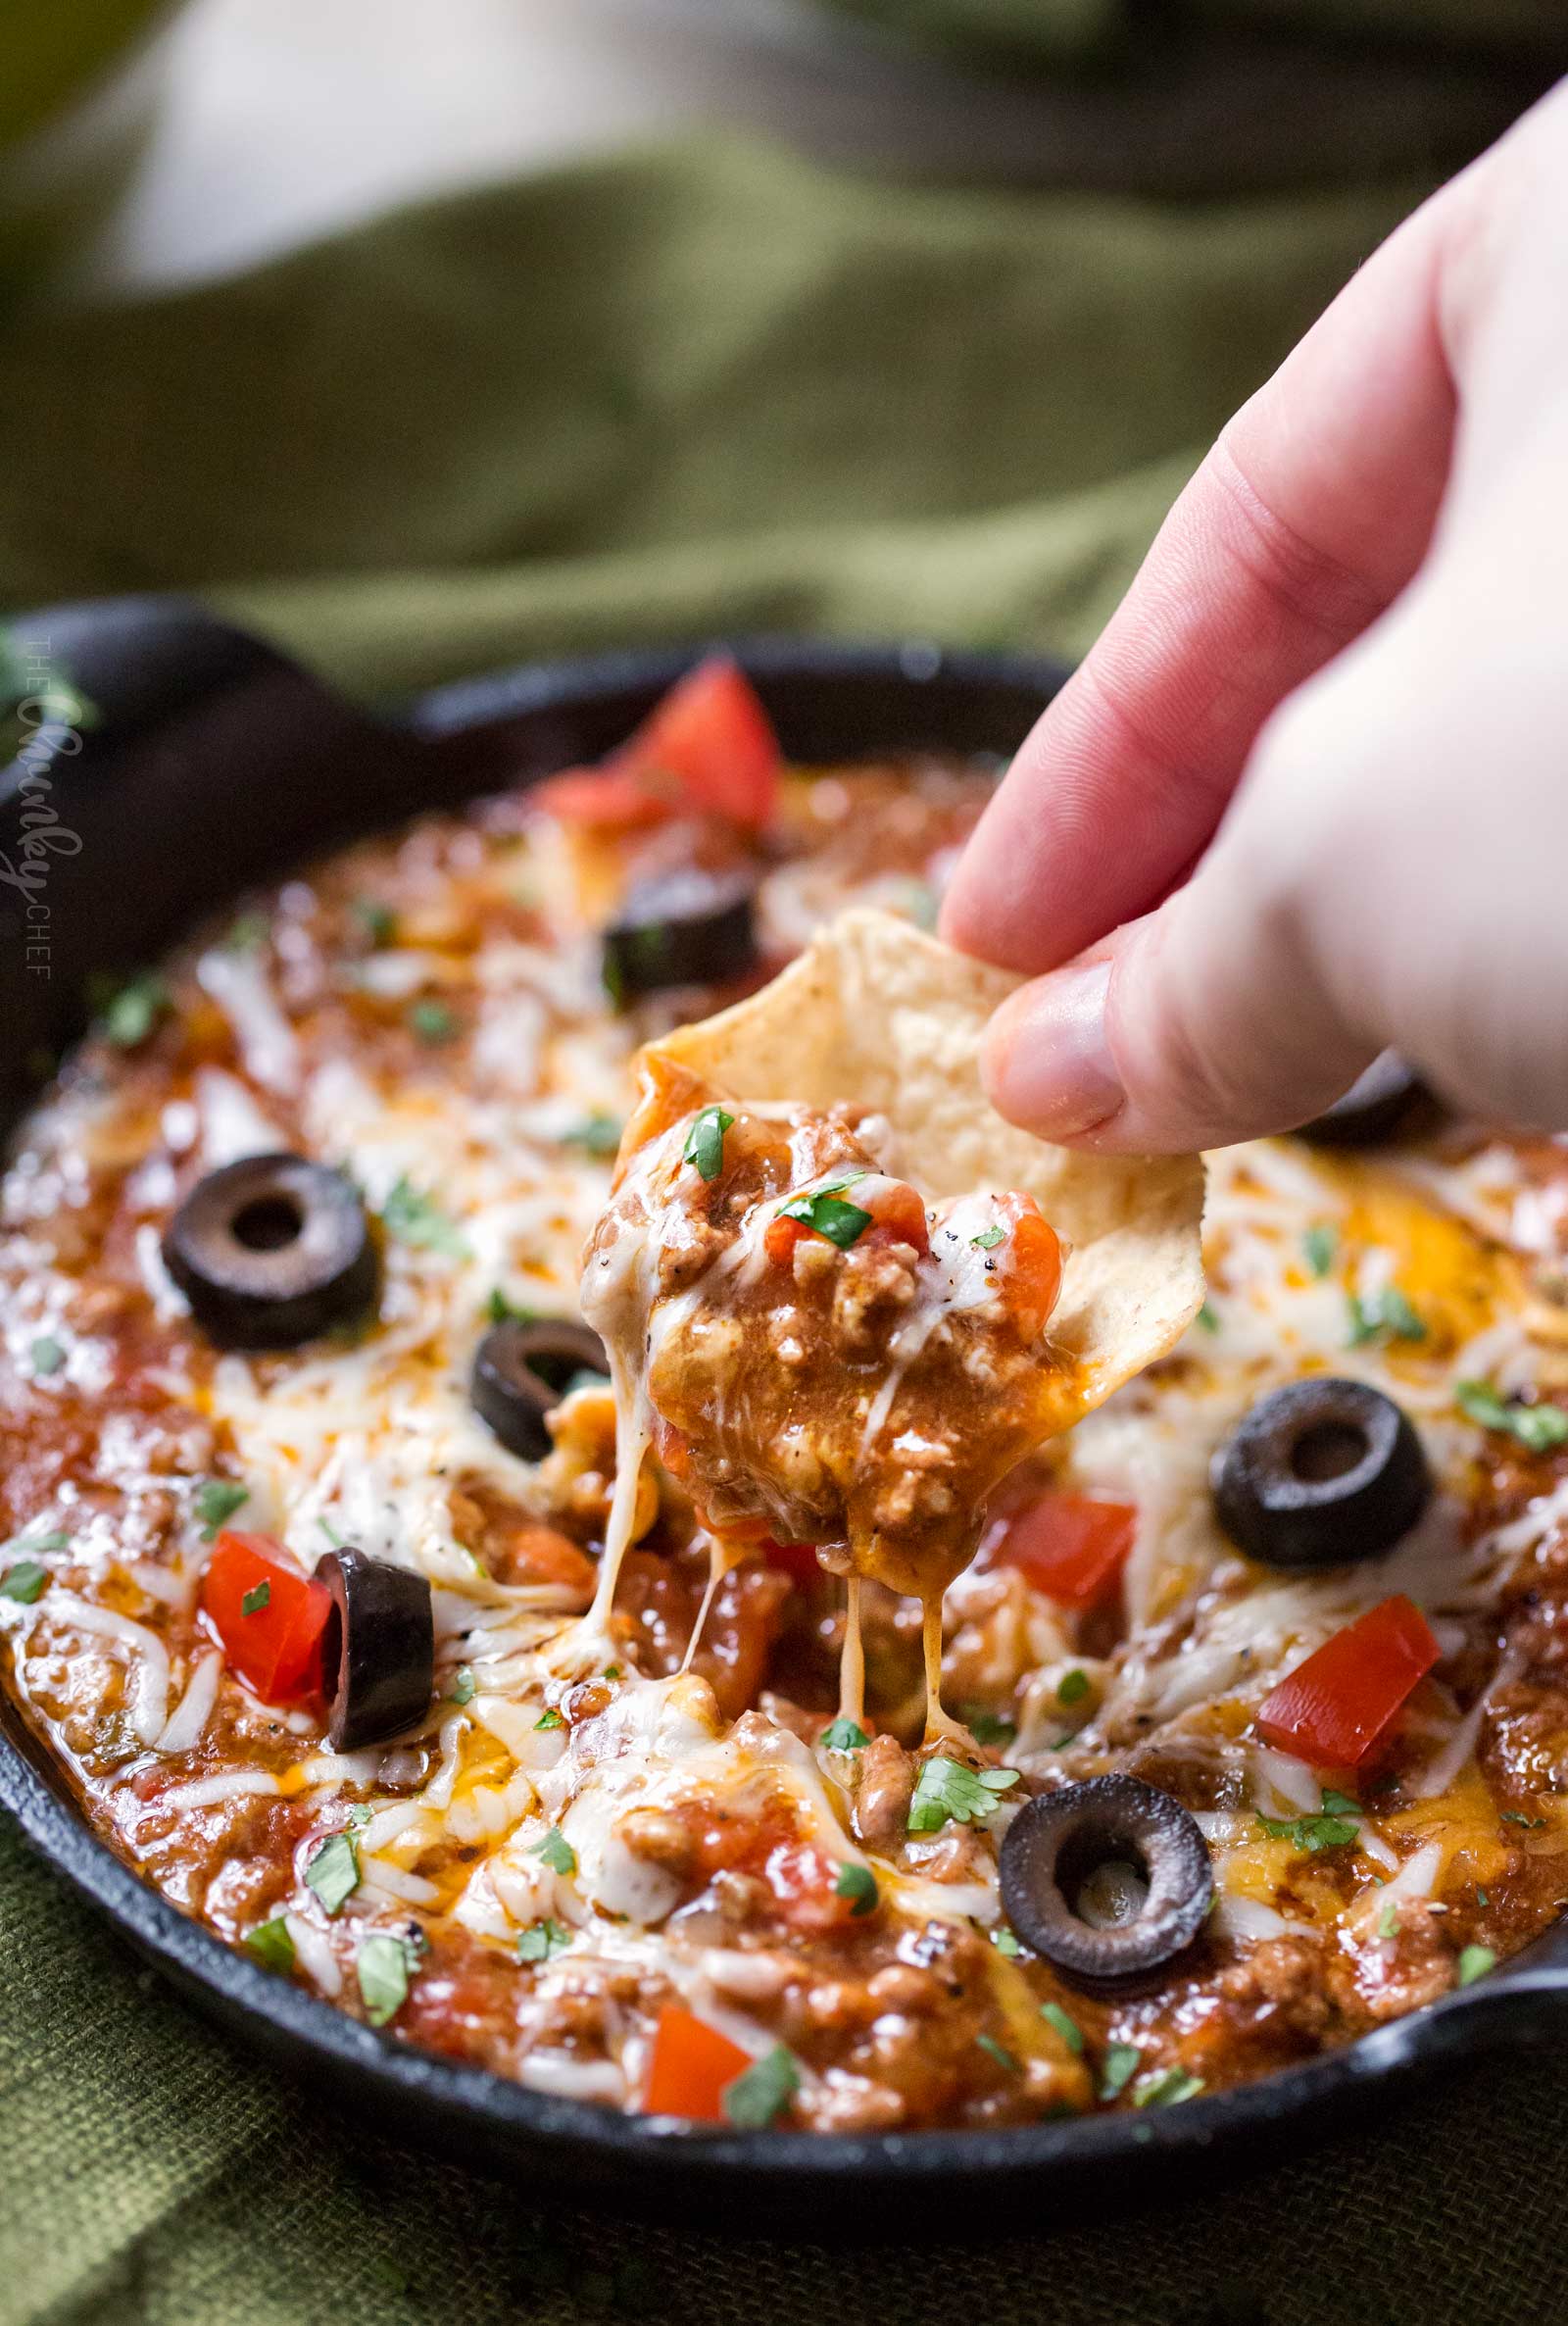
(215, 763)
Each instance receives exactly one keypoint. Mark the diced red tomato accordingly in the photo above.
(691, 2067)
(805, 1883)
(712, 734)
(1070, 1546)
(798, 1560)
(607, 795)
(708, 747)
(898, 1215)
(780, 1237)
(1333, 1708)
(537, 1554)
(1029, 1262)
(275, 1646)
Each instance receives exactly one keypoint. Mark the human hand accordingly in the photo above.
(1339, 689)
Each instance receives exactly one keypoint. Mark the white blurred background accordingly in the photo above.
(280, 120)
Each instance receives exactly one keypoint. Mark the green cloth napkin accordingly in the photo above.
(681, 393)
(707, 389)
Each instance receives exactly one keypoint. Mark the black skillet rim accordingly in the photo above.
(1113, 2159)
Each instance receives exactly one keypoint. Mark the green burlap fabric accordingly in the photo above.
(709, 390)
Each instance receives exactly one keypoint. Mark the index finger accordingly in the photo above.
(1309, 517)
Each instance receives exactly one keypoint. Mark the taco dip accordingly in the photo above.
(895, 1641)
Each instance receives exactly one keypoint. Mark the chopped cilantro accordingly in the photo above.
(551, 1718)
(378, 922)
(542, 1939)
(597, 1134)
(1165, 2089)
(333, 1873)
(557, 1852)
(1388, 1921)
(217, 1500)
(1071, 2034)
(414, 1219)
(254, 1601)
(1117, 2069)
(1320, 1243)
(1326, 1830)
(844, 1736)
(988, 1728)
(704, 1142)
(989, 1238)
(432, 1022)
(857, 1882)
(502, 1310)
(248, 933)
(27, 1541)
(1072, 1686)
(130, 1015)
(361, 1815)
(382, 1969)
(1481, 1900)
(1005, 1942)
(25, 1582)
(270, 1943)
(947, 1789)
(1386, 1311)
(1540, 1428)
(1518, 1817)
(999, 2052)
(1473, 1964)
(828, 1216)
(761, 2091)
(465, 1687)
(1208, 1318)
(53, 699)
(611, 1671)
(47, 1354)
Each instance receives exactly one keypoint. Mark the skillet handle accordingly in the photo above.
(138, 661)
(159, 759)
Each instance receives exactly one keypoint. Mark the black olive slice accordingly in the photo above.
(1319, 1473)
(377, 1650)
(687, 928)
(522, 1371)
(1389, 1098)
(1109, 1880)
(270, 1251)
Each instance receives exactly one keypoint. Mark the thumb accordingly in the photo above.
(1203, 1023)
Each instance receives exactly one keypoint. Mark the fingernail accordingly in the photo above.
(1048, 1065)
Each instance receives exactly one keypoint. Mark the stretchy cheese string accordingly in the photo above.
(631, 1445)
(722, 1556)
(852, 1659)
(937, 1724)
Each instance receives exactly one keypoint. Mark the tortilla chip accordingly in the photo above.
(877, 1014)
